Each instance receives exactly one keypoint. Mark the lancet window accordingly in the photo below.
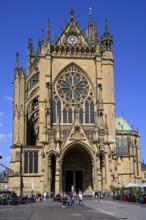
(33, 81)
(31, 162)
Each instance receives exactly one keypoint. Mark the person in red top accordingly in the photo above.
(70, 200)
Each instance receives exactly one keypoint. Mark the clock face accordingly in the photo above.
(72, 39)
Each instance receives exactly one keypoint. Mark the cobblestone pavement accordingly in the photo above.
(92, 210)
(51, 210)
(119, 209)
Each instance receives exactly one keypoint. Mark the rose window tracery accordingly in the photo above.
(73, 97)
(72, 87)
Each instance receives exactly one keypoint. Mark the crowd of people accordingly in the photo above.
(100, 195)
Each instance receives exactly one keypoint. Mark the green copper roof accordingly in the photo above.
(121, 124)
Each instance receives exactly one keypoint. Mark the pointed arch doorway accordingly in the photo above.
(77, 169)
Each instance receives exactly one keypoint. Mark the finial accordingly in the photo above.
(72, 14)
(42, 40)
(48, 32)
(90, 15)
(96, 33)
(106, 29)
(39, 44)
(122, 112)
(17, 60)
(30, 45)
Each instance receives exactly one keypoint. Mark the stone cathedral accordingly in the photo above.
(66, 135)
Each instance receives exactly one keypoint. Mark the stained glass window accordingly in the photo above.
(26, 162)
(35, 162)
(33, 81)
(73, 87)
(73, 93)
(70, 116)
(30, 162)
(122, 146)
(64, 115)
(59, 109)
(81, 115)
(87, 112)
(54, 111)
(91, 112)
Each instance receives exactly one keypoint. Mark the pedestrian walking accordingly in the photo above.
(93, 194)
(99, 196)
(70, 200)
(45, 196)
(80, 198)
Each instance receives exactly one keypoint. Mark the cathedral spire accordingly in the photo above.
(106, 29)
(17, 60)
(96, 33)
(30, 46)
(42, 39)
(91, 30)
(106, 39)
(48, 33)
(72, 14)
(90, 16)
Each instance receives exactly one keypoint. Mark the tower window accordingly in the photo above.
(33, 81)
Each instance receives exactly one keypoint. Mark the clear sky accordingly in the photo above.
(21, 19)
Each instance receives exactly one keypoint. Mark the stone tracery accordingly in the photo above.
(74, 93)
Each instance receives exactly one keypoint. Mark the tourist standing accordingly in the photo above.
(45, 196)
(80, 198)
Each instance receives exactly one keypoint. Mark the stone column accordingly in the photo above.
(60, 184)
(57, 175)
(98, 174)
(46, 172)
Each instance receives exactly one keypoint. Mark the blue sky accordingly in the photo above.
(21, 19)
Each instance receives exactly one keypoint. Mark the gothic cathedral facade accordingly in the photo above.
(66, 135)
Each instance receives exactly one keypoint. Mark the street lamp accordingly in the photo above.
(1, 157)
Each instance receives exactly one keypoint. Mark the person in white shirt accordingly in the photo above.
(45, 196)
(80, 198)
(93, 195)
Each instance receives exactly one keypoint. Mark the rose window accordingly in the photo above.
(73, 87)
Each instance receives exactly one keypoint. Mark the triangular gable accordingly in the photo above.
(70, 29)
(76, 134)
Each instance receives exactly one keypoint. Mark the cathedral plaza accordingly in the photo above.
(107, 210)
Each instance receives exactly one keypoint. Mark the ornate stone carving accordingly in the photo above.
(77, 134)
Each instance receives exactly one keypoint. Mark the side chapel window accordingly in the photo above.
(31, 162)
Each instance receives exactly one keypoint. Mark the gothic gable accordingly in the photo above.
(72, 40)
(72, 29)
(76, 134)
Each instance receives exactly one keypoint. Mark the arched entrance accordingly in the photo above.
(77, 169)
